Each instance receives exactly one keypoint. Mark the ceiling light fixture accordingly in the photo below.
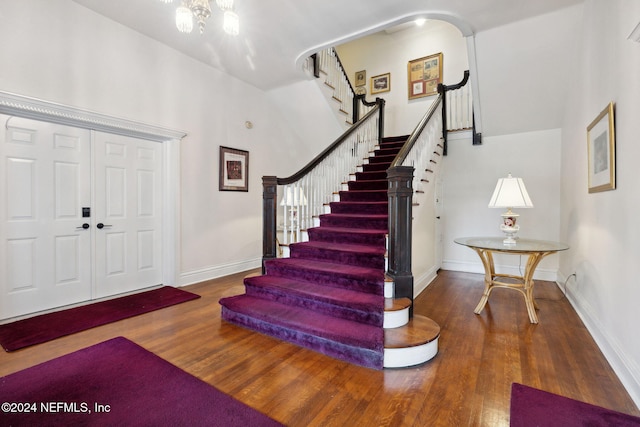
(201, 11)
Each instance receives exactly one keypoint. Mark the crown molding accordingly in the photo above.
(37, 109)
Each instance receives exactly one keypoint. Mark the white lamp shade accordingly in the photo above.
(510, 192)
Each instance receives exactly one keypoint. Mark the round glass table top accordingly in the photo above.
(521, 245)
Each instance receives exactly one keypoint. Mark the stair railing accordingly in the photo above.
(458, 107)
(419, 153)
(302, 196)
(352, 104)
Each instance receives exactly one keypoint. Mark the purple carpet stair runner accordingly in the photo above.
(329, 294)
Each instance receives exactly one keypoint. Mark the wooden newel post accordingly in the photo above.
(269, 206)
(400, 193)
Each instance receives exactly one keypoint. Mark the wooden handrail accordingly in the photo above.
(406, 148)
(320, 157)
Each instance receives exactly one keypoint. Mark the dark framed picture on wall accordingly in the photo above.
(234, 169)
(424, 75)
(601, 150)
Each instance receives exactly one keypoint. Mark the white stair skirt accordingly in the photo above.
(410, 356)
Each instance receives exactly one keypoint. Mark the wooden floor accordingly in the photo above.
(467, 384)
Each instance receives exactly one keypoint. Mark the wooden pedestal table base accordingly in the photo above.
(536, 250)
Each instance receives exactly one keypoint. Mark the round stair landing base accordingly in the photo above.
(412, 344)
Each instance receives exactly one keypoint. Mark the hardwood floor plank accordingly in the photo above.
(467, 384)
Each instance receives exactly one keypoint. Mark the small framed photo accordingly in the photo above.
(601, 150)
(361, 78)
(424, 75)
(381, 83)
(234, 169)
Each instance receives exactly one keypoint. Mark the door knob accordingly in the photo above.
(101, 225)
(83, 226)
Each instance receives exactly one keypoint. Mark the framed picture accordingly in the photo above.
(601, 149)
(381, 83)
(424, 75)
(234, 169)
(361, 78)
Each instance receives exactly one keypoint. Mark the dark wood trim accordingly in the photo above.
(269, 215)
(400, 193)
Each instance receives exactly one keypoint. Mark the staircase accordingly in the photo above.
(332, 295)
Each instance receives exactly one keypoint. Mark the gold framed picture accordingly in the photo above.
(381, 83)
(601, 150)
(424, 75)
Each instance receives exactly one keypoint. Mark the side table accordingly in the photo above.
(534, 249)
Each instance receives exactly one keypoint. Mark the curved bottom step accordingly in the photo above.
(412, 344)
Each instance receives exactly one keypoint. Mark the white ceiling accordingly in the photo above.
(276, 35)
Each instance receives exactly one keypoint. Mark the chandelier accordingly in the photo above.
(200, 10)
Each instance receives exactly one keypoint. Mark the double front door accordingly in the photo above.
(81, 215)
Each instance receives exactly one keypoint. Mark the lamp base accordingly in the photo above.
(510, 232)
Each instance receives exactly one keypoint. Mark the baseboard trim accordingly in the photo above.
(216, 271)
(423, 281)
(625, 367)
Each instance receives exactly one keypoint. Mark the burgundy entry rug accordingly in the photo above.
(47, 327)
(531, 407)
(117, 383)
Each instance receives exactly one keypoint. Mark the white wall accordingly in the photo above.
(59, 51)
(383, 53)
(470, 174)
(602, 228)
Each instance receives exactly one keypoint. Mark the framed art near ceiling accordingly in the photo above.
(424, 75)
(234, 169)
(381, 83)
(601, 150)
(361, 78)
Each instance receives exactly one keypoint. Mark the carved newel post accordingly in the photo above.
(269, 206)
(400, 194)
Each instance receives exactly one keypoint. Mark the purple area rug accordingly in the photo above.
(47, 327)
(117, 382)
(531, 407)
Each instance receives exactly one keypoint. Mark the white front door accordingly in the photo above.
(128, 213)
(81, 215)
(45, 180)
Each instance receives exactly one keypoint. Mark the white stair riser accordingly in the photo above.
(388, 289)
(395, 319)
(410, 356)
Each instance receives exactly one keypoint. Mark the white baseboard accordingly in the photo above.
(420, 283)
(626, 368)
(213, 272)
(476, 267)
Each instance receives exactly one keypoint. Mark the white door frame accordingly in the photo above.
(37, 109)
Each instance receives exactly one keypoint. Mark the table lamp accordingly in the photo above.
(510, 193)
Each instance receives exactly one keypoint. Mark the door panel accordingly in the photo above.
(45, 254)
(129, 246)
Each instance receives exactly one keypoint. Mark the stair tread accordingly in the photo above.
(343, 247)
(307, 321)
(419, 331)
(396, 304)
(330, 267)
(356, 215)
(338, 296)
(352, 230)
